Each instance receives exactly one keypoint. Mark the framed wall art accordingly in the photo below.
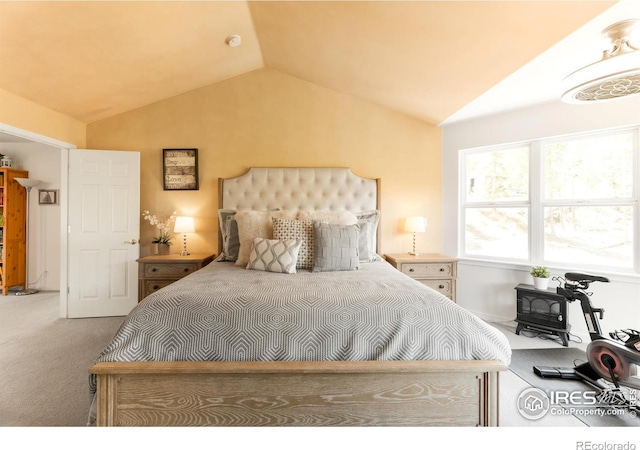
(180, 169)
(48, 196)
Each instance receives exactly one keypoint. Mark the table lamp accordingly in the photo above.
(415, 225)
(184, 225)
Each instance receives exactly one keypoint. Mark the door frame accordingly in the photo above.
(64, 148)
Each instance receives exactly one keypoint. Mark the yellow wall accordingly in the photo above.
(27, 115)
(268, 119)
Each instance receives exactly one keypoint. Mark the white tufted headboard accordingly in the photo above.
(329, 189)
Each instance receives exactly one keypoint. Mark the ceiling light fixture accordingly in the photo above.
(234, 40)
(616, 75)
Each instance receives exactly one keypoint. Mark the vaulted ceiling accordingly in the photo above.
(427, 59)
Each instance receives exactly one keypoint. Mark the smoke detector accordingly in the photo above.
(616, 75)
(234, 40)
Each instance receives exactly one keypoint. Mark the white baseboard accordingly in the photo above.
(491, 318)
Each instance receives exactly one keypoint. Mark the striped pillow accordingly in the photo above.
(274, 255)
(336, 247)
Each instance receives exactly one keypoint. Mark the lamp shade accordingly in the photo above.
(27, 182)
(415, 224)
(184, 224)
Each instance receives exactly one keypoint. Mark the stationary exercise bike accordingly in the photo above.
(615, 359)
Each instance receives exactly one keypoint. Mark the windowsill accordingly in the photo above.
(612, 274)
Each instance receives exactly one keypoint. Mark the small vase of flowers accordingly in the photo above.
(162, 240)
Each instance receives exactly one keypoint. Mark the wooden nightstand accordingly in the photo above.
(158, 271)
(435, 270)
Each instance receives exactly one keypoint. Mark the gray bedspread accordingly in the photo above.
(226, 313)
(223, 312)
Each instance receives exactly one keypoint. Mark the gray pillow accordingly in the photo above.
(229, 231)
(335, 247)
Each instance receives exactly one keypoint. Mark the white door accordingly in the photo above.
(104, 232)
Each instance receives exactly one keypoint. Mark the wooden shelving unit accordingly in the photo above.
(13, 206)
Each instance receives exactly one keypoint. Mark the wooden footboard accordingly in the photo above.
(371, 393)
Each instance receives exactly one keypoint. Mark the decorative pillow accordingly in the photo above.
(252, 224)
(336, 247)
(229, 232)
(274, 255)
(368, 221)
(332, 217)
(297, 229)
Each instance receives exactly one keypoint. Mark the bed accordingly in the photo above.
(319, 335)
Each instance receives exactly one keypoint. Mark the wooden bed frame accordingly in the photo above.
(340, 393)
(394, 393)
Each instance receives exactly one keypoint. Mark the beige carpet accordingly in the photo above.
(44, 361)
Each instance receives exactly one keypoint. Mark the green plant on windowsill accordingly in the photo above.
(540, 276)
(540, 272)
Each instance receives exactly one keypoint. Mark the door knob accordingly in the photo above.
(132, 242)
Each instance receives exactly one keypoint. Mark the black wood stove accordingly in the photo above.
(542, 310)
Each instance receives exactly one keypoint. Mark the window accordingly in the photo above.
(497, 209)
(571, 200)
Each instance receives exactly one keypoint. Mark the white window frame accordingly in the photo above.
(465, 204)
(536, 201)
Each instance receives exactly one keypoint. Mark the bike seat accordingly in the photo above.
(575, 276)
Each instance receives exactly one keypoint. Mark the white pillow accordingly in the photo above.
(331, 217)
(368, 221)
(252, 224)
(274, 255)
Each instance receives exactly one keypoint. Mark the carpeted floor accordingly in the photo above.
(522, 362)
(44, 361)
